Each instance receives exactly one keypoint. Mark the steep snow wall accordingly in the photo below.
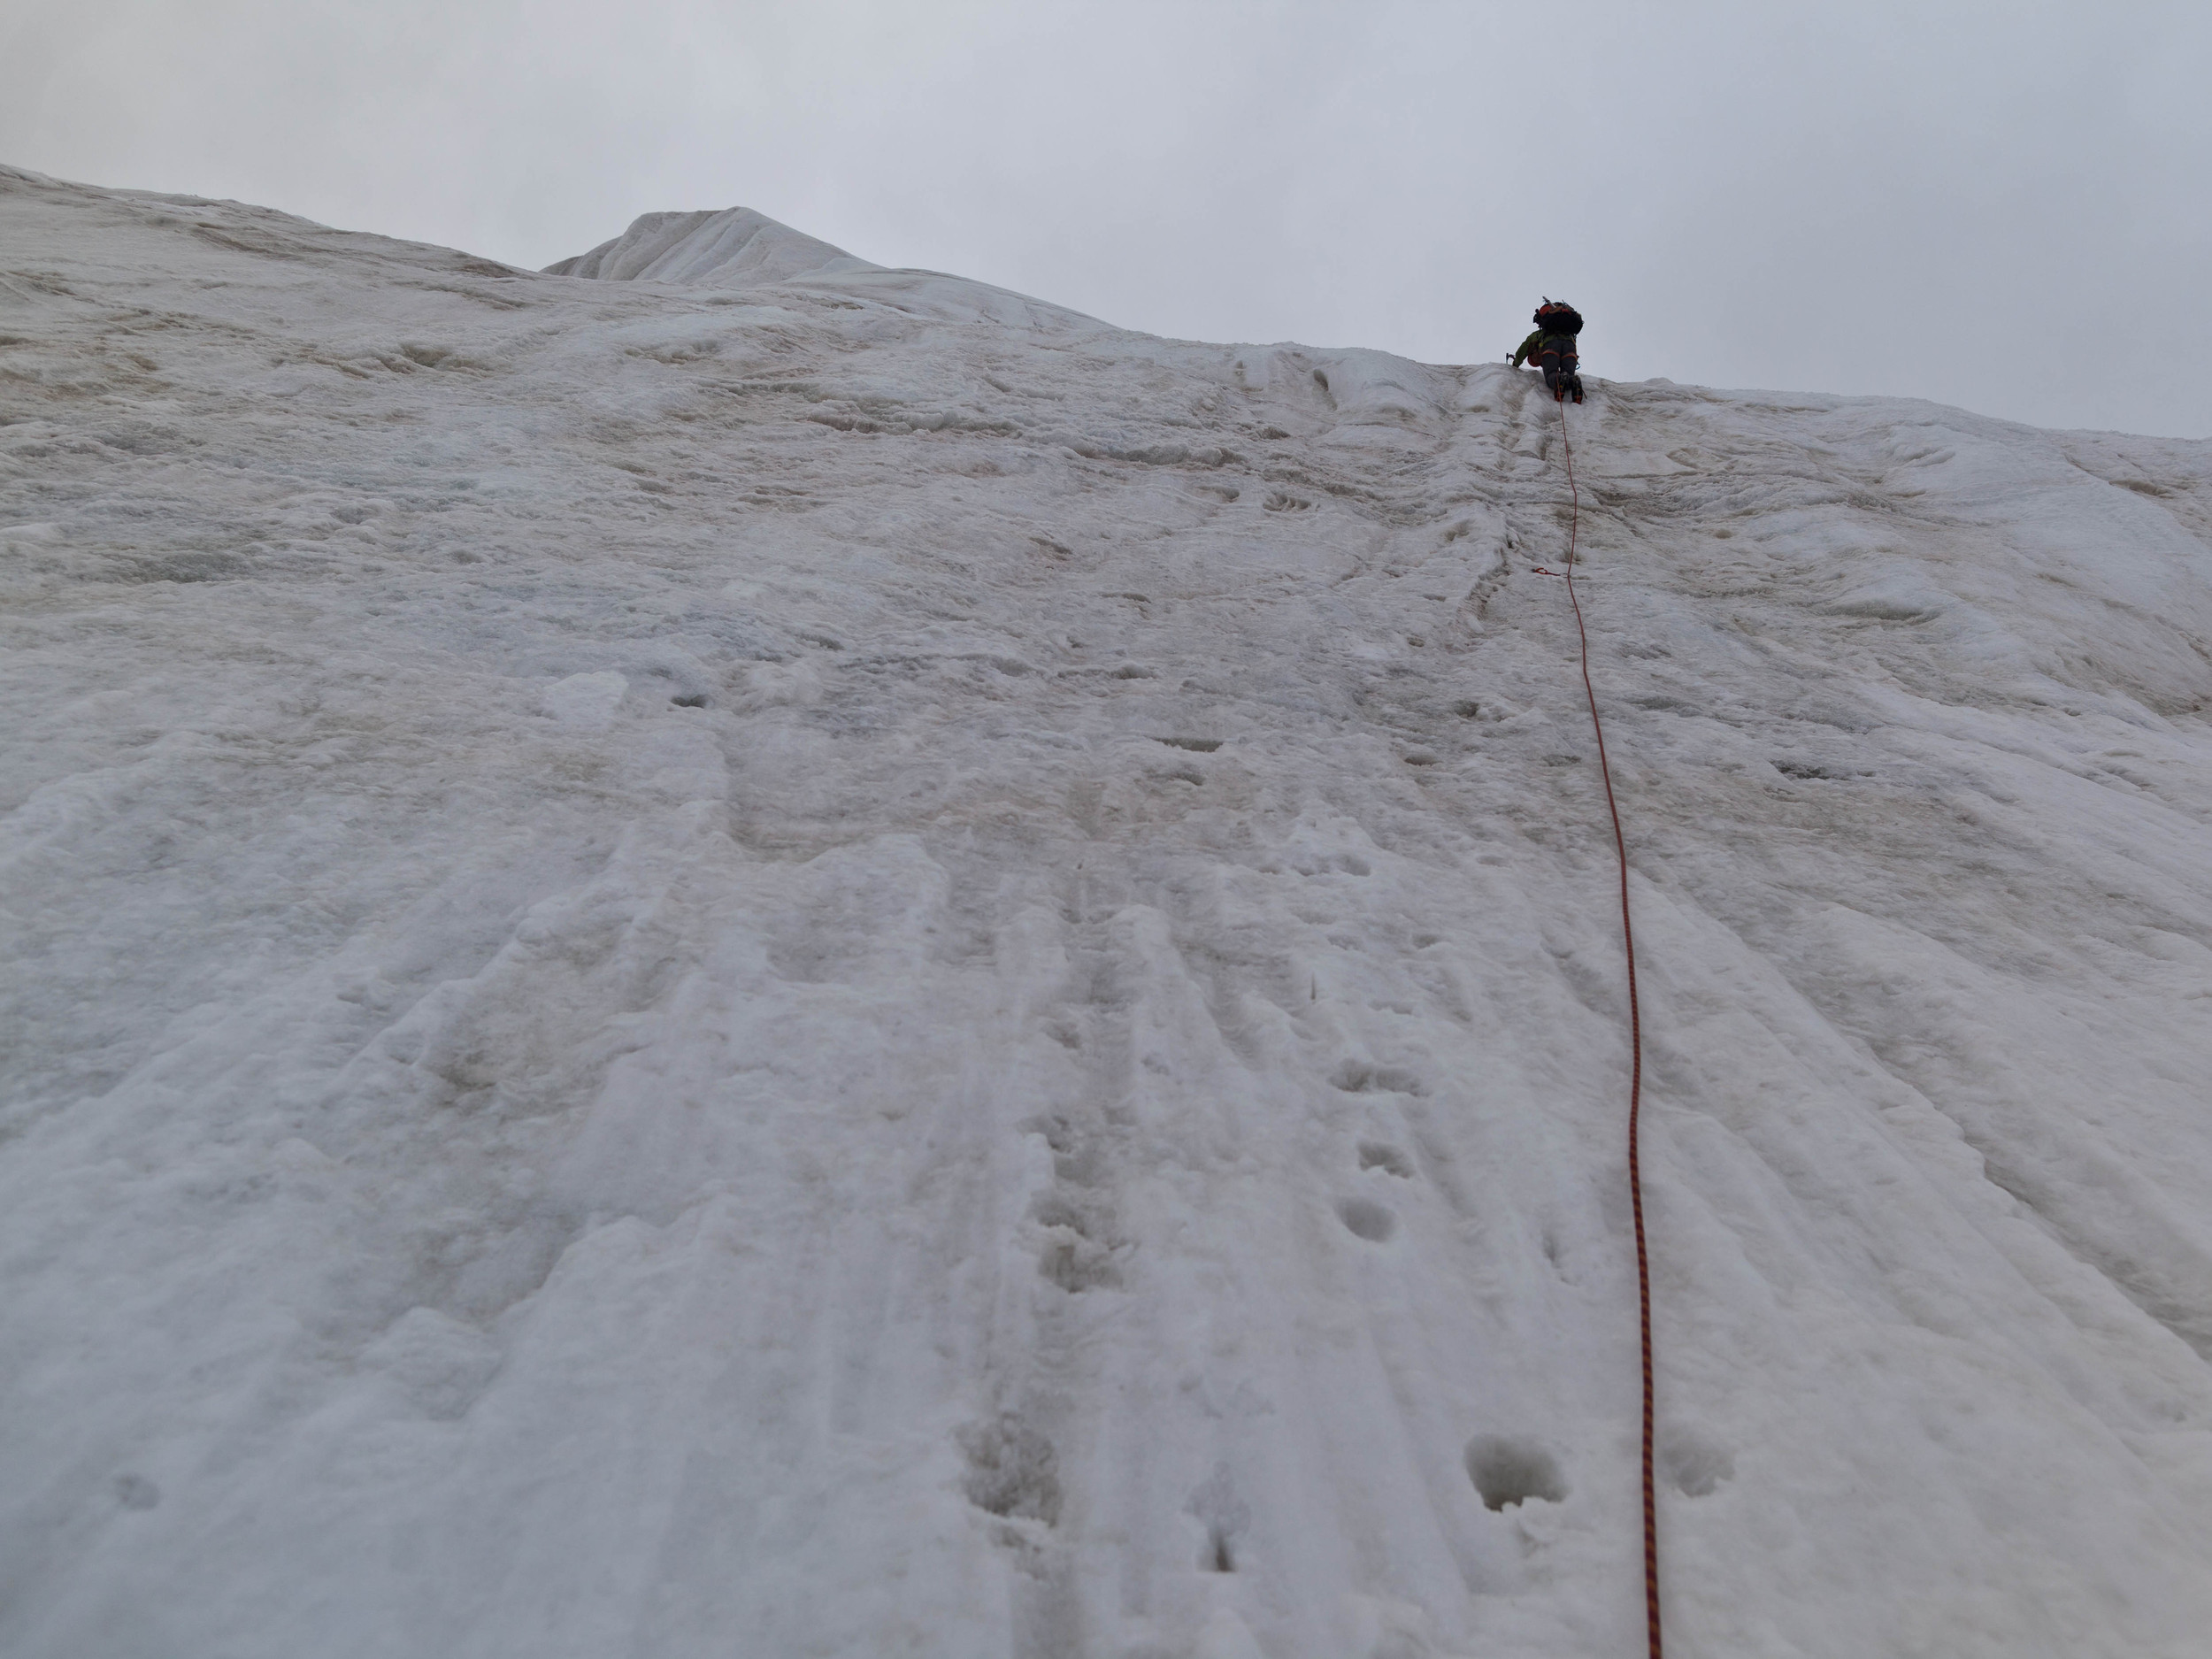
(853, 967)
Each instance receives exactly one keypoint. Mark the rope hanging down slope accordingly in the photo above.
(1636, 1058)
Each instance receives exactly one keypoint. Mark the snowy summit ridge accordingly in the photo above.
(734, 248)
(737, 247)
(792, 958)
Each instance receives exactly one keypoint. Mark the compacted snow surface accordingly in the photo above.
(819, 961)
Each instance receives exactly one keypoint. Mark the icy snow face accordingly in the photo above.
(735, 248)
(853, 966)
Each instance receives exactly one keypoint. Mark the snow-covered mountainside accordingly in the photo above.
(852, 966)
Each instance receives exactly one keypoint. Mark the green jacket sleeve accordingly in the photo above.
(1535, 339)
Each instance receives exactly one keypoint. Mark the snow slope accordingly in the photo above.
(852, 966)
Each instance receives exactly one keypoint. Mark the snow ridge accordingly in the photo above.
(734, 248)
(739, 248)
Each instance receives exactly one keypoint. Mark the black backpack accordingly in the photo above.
(1556, 317)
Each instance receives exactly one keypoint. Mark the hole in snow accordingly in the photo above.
(1012, 1470)
(1200, 745)
(690, 700)
(1225, 1516)
(1467, 708)
(1508, 1470)
(1367, 1219)
(135, 1492)
(1377, 1155)
(1077, 1262)
(1330, 864)
(1357, 1077)
(1692, 1464)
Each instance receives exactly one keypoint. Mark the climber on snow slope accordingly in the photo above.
(1553, 346)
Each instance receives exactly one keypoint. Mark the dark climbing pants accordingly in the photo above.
(1560, 379)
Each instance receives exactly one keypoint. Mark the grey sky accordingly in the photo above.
(1997, 205)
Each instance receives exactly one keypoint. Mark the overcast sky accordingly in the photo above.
(2002, 206)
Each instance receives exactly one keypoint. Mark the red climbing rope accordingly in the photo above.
(1635, 1059)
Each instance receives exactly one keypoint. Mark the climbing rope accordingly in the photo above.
(1636, 1055)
